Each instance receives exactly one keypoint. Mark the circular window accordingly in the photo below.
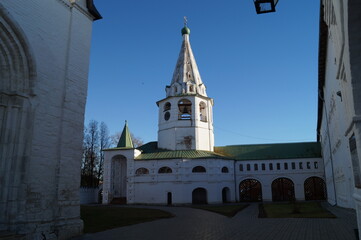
(166, 116)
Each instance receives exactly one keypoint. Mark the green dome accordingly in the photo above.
(186, 30)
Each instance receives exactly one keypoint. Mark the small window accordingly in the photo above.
(175, 90)
(270, 166)
(199, 169)
(241, 167)
(308, 164)
(278, 166)
(316, 165)
(286, 166)
(167, 106)
(248, 167)
(263, 166)
(224, 169)
(256, 167)
(293, 165)
(141, 171)
(165, 170)
(191, 89)
(300, 165)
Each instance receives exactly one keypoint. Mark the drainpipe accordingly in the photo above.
(329, 145)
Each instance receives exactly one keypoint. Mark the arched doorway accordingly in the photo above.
(17, 120)
(250, 190)
(226, 195)
(283, 190)
(199, 196)
(315, 188)
(119, 177)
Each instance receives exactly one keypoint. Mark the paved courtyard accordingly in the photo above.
(189, 224)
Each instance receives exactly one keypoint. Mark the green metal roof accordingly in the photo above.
(125, 140)
(150, 151)
(271, 151)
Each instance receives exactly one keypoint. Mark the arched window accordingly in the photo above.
(167, 106)
(191, 88)
(199, 169)
(165, 170)
(141, 171)
(225, 170)
(202, 112)
(185, 109)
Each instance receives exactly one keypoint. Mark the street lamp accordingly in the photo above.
(265, 6)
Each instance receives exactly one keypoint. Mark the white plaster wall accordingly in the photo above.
(267, 176)
(88, 195)
(171, 133)
(59, 37)
(153, 187)
(339, 114)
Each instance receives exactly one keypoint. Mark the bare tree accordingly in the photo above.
(90, 154)
(104, 143)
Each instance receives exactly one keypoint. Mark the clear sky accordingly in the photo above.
(261, 70)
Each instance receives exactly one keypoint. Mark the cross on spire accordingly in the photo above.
(185, 21)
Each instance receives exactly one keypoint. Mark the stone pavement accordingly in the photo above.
(189, 224)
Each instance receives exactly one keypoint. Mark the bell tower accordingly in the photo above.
(185, 115)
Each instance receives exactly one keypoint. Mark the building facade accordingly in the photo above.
(184, 167)
(44, 54)
(339, 104)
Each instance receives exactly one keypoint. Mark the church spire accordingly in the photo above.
(125, 140)
(186, 78)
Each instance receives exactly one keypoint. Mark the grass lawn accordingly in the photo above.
(295, 210)
(100, 218)
(226, 210)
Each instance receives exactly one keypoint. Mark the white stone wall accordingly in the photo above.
(332, 136)
(343, 74)
(89, 195)
(172, 132)
(311, 167)
(152, 188)
(44, 198)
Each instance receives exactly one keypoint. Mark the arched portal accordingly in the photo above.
(250, 190)
(283, 190)
(315, 188)
(17, 77)
(119, 177)
(226, 195)
(199, 196)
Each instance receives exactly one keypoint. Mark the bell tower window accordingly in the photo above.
(167, 106)
(191, 88)
(202, 112)
(185, 109)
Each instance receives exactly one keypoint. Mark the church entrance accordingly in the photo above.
(315, 189)
(226, 195)
(119, 178)
(283, 190)
(199, 196)
(250, 190)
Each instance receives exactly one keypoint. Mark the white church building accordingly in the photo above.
(184, 166)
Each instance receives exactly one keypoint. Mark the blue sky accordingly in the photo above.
(261, 70)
